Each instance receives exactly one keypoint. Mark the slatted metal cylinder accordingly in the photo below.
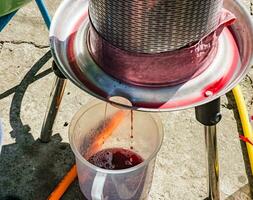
(154, 26)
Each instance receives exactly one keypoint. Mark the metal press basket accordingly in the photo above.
(154, 26)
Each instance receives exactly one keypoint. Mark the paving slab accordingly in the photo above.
(30, 169)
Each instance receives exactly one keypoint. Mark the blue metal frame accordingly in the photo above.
(44, 12)
(4, 20)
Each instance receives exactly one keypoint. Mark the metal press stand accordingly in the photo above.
(209, 115)
(53, 104)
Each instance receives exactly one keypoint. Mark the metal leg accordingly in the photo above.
(209, 115)
(212, 162)
(53, 106)
(44, 12)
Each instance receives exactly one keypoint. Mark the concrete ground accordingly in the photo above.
(30, 169)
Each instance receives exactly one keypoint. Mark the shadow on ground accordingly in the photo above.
(30, 169)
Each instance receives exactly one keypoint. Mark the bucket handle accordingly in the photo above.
(98, 186)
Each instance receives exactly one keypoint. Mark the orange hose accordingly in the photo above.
(105, 133)
(64, 184)
(99, 140)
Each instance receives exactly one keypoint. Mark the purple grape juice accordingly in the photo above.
(115, 159)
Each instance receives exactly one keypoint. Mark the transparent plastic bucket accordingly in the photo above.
(100, 184)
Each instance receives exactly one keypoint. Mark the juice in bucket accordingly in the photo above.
(115, 151)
